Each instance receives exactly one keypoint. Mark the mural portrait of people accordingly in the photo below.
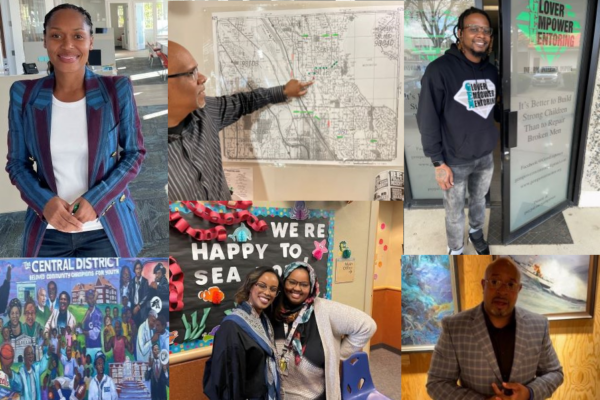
(69, 332)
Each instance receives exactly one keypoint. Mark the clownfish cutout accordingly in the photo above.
(172, 336)
(212, 295)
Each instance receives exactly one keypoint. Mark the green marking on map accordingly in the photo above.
(373, 140)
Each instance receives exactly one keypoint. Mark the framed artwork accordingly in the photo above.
(559, 287)
(429, 293)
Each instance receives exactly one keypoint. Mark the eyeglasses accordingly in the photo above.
(474, 29)
(290, 283)
(263, 287)
(497, 284)
(193, 73)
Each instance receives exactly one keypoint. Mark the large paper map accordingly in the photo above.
(349, 116)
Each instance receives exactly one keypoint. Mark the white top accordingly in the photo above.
(103, 390)
(69, 149)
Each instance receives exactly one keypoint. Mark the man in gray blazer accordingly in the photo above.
(496, 350)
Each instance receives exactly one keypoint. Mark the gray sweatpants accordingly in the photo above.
(476, 178)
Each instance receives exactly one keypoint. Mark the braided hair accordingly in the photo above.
(461, 25)
(66, 6)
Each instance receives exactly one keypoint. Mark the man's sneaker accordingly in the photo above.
(455, 252)
(481, 246)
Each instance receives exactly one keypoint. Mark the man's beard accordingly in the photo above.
(478, 54)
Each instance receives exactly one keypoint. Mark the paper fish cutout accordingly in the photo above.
(212, 295)
(172, 336)
(241, 234)
(320, 249)
(299, 212)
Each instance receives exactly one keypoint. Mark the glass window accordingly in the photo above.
(162, 19)
(121, 15)
(32, 19)
(148, 18)
(428, 26)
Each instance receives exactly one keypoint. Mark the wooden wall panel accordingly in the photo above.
(577, 343)
(387, 306)
(392, 336)
(185, 380)
(378, 314)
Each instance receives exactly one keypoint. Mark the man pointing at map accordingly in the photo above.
(195, 165)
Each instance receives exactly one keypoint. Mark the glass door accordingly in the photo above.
(542, 53)
(428, 27)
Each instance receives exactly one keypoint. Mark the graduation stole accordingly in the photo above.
(253, 327)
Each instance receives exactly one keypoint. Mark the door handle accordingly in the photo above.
(510, 119)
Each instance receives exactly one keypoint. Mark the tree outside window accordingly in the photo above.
(148, 17)
(121, 16)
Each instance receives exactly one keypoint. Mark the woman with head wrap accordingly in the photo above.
(243, 362)
(313, 335)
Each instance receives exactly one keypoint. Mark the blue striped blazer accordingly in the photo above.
(113, 122)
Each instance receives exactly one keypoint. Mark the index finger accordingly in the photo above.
(496, 390)
(308, 83)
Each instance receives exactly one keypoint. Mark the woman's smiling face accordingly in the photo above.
(264, 291)
(68, 40)
(297, 286)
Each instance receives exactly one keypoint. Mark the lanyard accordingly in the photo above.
(283, 360)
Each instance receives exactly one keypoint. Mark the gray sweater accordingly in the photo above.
(344, 330)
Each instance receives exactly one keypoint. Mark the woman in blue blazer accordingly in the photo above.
(71, 124)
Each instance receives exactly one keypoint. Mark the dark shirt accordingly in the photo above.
(314, 347)
(503, 342)
(195, 163)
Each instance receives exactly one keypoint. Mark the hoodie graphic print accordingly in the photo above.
(455, 115)
(478, 96)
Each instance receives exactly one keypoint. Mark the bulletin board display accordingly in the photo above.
(213, 270)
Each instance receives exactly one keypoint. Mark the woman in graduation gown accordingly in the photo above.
(243, 363)
(312, 336)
